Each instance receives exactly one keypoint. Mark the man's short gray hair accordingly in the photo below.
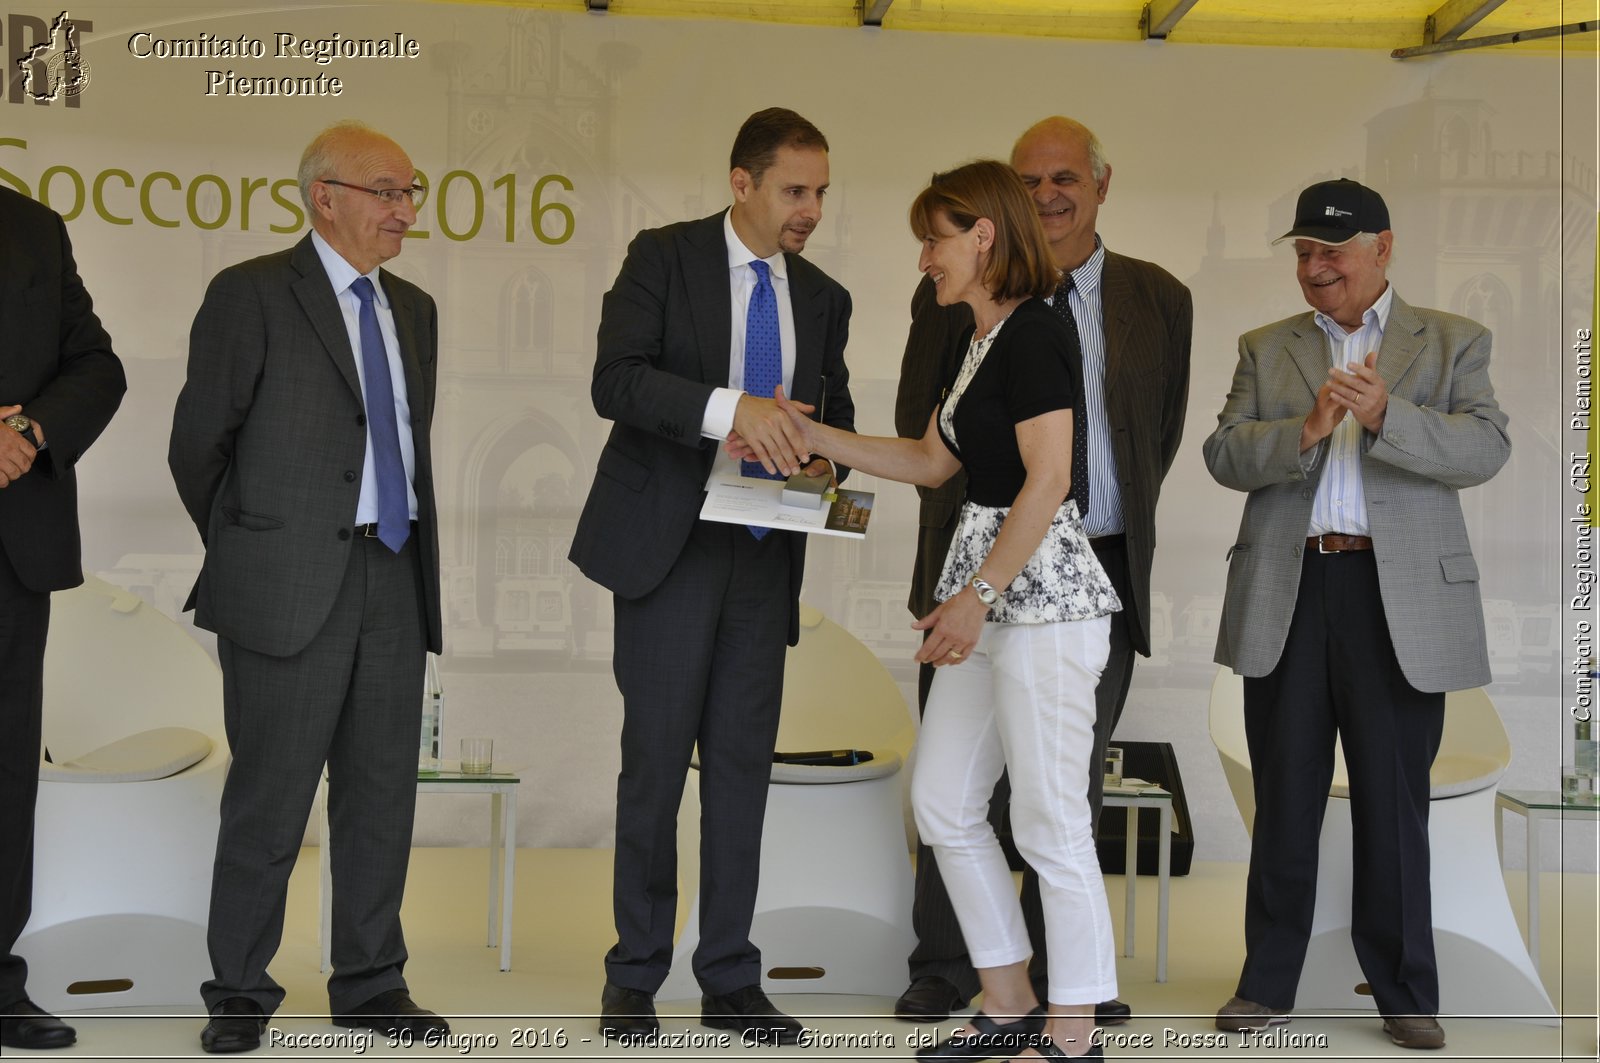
(317, 162)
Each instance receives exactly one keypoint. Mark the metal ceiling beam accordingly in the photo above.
(872, 11)
(1454, 18)
(1160, 16)
(1494, 39)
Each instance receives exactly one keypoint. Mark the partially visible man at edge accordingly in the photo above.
(1133, 319)
(57, 373)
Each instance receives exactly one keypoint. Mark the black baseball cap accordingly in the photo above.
(1331, 212)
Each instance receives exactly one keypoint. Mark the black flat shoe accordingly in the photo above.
(988, 1039)
(27, 1025)
(627, 1014)
(929, 999)
(236, 1026)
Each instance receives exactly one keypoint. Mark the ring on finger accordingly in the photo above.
(955, 654)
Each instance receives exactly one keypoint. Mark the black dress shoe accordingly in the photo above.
(26, 1025)
(393, 1012)
(750, 1012)
(235, 1026)
(627, 1014)
(988, 1039)
(1111, 1013)
(928, 999)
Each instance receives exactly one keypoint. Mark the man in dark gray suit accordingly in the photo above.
(1133, 320)
(60, 383)
(300, 449)
(704, 610)
(1352, 601)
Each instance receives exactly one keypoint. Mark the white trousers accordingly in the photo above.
(1023, 702)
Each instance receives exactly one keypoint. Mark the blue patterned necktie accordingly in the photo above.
(1080, 404)
(763, 358)
(394, 510)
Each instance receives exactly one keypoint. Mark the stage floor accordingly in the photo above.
(544, 1007)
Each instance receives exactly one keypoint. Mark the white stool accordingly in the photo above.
(833, 911)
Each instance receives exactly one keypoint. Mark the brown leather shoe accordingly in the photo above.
(1414, 1031)
(1241, 1014)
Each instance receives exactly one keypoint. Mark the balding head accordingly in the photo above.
(1058, 129)
(341, 171)
(1066, 172)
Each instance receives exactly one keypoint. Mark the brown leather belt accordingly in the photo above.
(1337, 544)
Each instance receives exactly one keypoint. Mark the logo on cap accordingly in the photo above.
(1335, 212)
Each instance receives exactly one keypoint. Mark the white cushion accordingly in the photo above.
(153, 754)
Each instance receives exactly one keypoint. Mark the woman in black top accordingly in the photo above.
(1021, 632)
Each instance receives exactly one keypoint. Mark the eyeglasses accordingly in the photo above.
(391, 197)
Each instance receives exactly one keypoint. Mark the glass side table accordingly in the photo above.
(501, 787)
(1134, 798)
(1535, 805)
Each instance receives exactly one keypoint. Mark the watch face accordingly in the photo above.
(19, 422)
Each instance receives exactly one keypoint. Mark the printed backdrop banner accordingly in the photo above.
(548, 139)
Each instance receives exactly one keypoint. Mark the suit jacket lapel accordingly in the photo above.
(1403, 340)
(1116, 295)
(705, 270)
(1308, 348)
(808, 311)
(315, 292)
(405, 331)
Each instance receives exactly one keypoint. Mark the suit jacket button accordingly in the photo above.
(349, 477)
(344, 533)
(361, 420)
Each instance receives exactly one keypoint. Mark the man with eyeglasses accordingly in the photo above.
(300, 449)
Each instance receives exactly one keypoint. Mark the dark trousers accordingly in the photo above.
(24, 619)
(352, 700)
(941, 950)
(699, 662)
(1339, 677)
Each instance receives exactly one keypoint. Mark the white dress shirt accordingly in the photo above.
(1340, 506)
(718, 419)
(342, 274)
(1105, 494)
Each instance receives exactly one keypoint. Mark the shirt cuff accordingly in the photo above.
(717, 422)
(1311, 458)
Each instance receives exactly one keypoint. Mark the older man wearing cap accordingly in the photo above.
(1352, 601)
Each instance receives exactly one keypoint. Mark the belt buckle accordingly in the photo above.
(1321, 549)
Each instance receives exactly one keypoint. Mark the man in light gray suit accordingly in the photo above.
(300, 449)
(1352, 601)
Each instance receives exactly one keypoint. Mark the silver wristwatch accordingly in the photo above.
(985, 591)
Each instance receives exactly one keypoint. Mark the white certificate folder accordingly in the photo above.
(735, 499)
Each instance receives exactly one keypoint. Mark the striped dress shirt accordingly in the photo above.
(1105, 497)
(1341, 503)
